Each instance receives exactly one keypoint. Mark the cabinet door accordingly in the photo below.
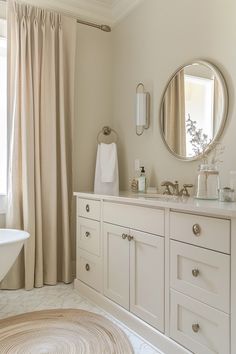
(116, 264)
(147, 278)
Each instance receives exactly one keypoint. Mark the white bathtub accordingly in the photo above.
(11, 243)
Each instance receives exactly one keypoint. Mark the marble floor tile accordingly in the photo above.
(14, 302)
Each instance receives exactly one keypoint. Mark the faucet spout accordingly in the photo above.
(167, 185)
(176, 188)
(173, 188)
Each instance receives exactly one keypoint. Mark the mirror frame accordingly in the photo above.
(221, 79)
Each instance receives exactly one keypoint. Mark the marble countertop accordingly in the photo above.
(189, 204)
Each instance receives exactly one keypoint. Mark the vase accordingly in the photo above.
(208, 182)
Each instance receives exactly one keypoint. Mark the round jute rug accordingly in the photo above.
(62, 331)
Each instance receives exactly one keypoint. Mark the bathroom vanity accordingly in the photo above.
(165, 266)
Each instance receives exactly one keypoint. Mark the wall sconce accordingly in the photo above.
(142, 118)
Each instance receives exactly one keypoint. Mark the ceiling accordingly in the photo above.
(105, 11)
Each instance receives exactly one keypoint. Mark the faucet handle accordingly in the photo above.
(185, 191)
(167, 185)
(189, 185)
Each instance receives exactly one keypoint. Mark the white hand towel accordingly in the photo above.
(106, 173)
(108, 158)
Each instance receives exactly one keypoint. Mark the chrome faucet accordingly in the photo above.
(175, 188)
(184, 191)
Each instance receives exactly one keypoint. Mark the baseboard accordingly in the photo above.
(150, 334)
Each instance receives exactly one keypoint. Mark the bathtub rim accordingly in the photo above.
(22, 236)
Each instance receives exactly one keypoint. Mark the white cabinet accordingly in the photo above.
(202, 274)
(89, 208)
(147, 278)
(116, 264)
(88, 234)
(89, 269)
(198, 327)
(165, 268)
(89, 243)
(135, 217)
(134, 272)
(202, 231)
(200, 282)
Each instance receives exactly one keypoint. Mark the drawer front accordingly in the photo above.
(89, 208)
(89, 269)
(208, 232)
(140, 218)
(198, 327)
(88, 235)
(201, 274)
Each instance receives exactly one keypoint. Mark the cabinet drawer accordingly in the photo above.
(202, 274)
(208, 232)
(89, 208)
(198, 327)
(88, 235)
(89, 269)
(136, 217)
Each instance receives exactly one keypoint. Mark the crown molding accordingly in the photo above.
(92, 10)
(108, 12)
(111, 11)
(121, 8)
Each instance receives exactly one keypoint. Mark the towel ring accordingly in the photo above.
(105, 132)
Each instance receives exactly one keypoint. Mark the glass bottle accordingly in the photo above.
(233, 182)
(208, 182)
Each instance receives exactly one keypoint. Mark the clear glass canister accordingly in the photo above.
(233, 182)
(208, 182)
(226, 194)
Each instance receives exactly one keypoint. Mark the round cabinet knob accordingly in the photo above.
(195, 273)
(196, 229)
(130, 238)
(195, 327)
(87, 234)
(87, 267)
(87, 208)
(124, 236)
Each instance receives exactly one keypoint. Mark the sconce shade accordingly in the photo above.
(142, 109)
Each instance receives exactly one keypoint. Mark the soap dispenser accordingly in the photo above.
(142, 181)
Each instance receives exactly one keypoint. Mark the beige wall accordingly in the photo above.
(93, 96)
(93, 100)
(148, 46)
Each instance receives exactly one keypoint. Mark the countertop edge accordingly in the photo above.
(226, 210)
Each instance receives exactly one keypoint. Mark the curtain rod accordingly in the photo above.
(104, 28)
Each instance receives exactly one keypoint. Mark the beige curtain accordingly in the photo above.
(174, 115)
(41, 88)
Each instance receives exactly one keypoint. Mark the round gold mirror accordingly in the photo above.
(193, 110)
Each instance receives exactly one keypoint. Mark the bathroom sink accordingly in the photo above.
(163, 197)
(159, 196)
(153, 196)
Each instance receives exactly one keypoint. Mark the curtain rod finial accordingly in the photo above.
(105, 28)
